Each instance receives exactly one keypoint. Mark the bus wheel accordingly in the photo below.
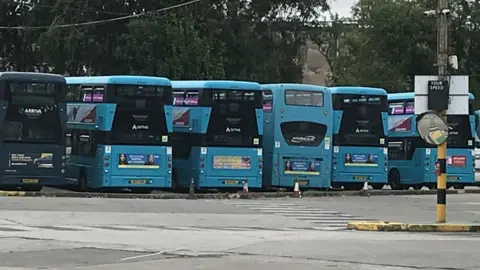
(82, 182)
(377, 186)
(394, 180)
(459, 186)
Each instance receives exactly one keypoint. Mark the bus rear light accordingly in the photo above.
(260, 166)
(169, 158)
(169, 165)
(202, 165)
(107, 157)
(202, 158)
(62, 171)
(260, 160)
(63, 157)
(63, 164)
(106, 164)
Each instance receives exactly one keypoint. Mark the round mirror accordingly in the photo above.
(432, 128)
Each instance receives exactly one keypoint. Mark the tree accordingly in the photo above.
(392, 41)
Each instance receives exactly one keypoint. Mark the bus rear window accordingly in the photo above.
(304, 98)
(139, 96)
(302, 133)
(48, 89)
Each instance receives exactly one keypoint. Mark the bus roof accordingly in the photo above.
(294, 87)
(411, 95)
(122, 79)
(32, 77)
(233, 85)
(357, 90)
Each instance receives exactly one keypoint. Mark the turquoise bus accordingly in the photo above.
(298, 121)
(360, 117)
(412, 160)
(33, 121)
(217, 134)
(118, 132)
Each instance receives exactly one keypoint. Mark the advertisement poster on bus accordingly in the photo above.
(302, 166)
(457, 161)
(361, 160)
(31, 160)
(232, 162)
(138, 161)
(81, 114)
(400, 123)
(181, 117)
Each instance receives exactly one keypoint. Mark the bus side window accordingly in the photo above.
(85, 145)
(396, 150)
(412, 146)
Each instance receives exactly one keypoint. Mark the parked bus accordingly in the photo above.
(359, 137)
(297, 135)
(412, 160)
(118, 132)
(33, 115)
(217, 139)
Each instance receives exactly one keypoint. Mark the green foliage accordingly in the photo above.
(390, 41)
(212, 39)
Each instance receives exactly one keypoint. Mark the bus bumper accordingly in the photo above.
(28, 180)
(138, 182)
(339, 177)
(229, 182)
(461, 178)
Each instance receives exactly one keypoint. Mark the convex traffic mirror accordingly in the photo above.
(432, 128)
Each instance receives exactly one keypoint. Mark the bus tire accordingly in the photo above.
(82, 181)
(459, 186)
(394, 180)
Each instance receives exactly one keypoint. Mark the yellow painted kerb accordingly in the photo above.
(406, 227)
(4, 193)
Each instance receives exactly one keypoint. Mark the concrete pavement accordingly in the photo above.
(91, 234)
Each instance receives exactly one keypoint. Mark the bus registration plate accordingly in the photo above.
(230, 182)
(452, 178)
(30, 181)
(303, 182)
(360, 177)
(138, 182)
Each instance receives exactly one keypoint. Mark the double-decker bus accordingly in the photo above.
(359, 137)
(412, 160)
(118, 132)
(298, 124)
(33, 120)
(217, 139)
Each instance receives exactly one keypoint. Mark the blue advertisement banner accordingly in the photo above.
(365, 160)
(31, 160)
(138, 161)
(232, 162)
(302, 166)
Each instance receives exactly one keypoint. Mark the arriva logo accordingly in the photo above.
(232, 130)
(139, 127)
(30, 111)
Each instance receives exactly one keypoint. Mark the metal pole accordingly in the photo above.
(442, 62)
